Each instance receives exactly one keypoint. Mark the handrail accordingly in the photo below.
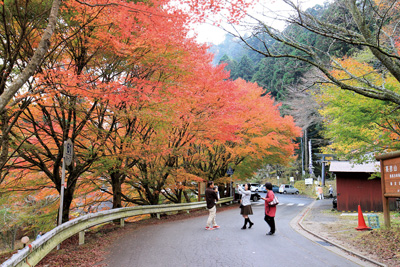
(38, 249)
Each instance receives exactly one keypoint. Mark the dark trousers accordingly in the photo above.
(271, 222)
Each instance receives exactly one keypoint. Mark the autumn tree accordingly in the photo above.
(39, 137)
(193, 104)
(56, 114)
(100, 65)
(357, 125)
(160, 83)
(25, 30)
(262, 136)
(70, 105)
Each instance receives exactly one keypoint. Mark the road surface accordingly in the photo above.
(187, 243)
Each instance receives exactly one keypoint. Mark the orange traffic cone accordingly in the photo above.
(361, 221)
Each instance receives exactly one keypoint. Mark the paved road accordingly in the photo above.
(186, 243)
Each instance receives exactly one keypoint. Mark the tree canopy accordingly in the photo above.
(147, 112)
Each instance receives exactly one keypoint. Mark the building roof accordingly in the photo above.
(347, 166)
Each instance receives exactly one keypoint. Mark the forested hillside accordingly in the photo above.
(275, 75)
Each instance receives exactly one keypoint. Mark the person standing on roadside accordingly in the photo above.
(320, 192)
(270, 210)
(211, 199)
(246, 209)
(330, 191)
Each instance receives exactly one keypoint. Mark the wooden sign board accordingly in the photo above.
(390, 178)
(201, 191)
(390, 172)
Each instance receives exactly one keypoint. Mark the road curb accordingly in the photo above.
(300, 223)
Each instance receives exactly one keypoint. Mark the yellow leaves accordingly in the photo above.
(180, 179)
(350, 65)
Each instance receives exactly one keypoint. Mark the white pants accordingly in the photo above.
(321, 196)
(211, 217)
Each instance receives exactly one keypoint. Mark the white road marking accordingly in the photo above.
(281, 204)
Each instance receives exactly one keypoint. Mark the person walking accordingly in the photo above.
(320, 192)
(245, 207)
(330, 191)
(270, 210)
(211, 198)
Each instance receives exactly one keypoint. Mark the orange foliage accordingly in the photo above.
(136, 95)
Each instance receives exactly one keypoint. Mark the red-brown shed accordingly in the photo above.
(354, 186)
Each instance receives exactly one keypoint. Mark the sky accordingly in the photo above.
(207, 33)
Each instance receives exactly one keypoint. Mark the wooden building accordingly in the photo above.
(354, 186)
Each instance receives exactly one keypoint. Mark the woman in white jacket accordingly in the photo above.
(246, 209)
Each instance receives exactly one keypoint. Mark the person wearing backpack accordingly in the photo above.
(270, 210)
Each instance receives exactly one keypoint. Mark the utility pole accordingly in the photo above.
(323, 162)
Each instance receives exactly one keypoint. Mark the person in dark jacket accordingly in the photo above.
(246, 209)
(269, 210)
(211, 199)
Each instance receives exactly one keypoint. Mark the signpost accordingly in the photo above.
(68, 152)
(230, 172)
(308, 181)
(67, 160)
(390, 180)
(201, 190)
(323, 161)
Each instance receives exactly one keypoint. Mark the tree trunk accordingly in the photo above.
(117, 191)
(13, 237)
(68, 197)
(4, 143)
(305, 148)
(187, 198)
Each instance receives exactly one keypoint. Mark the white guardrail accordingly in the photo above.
(38, 249)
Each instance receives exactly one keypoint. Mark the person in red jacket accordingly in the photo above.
(269, 210)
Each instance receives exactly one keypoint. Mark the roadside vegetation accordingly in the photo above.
(379, 244)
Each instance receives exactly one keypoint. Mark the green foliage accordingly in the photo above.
(231, 65)
(9, 226)
(26, 216)
(25, 11)
(244, 69)
(357, 125)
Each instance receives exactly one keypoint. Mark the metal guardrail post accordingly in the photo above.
(81, 237)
